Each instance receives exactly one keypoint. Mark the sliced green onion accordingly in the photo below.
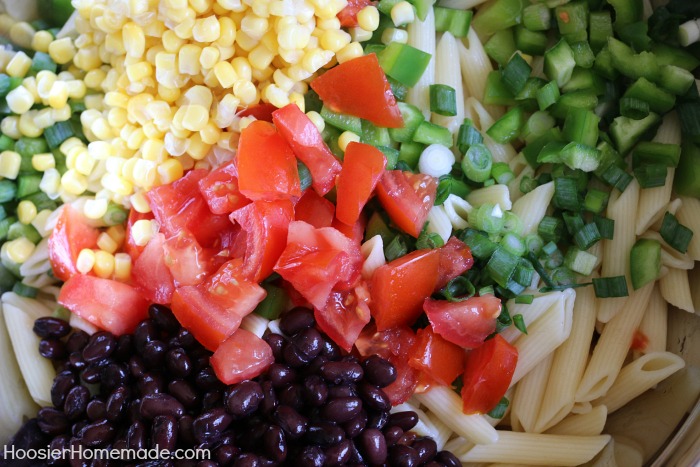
(645, 262)
(443, 100)
(8, 190)
(501, 266)
(616, 177)
(452, 20)
(580, 156)
(675, 234)
(515, 73)
(580, 261)
(573, 222)
(428, 240)
(458, 289)
(537, 17)
(430, 133)
(547, 95)
(566, 194)
(606, 227)
(42, 61)
(486, 290)
(305, 179)
(467, 136)
(500, 171)
(559, 62)
(527, 184)
(534, 243)
(487, 217)
(595, 200)
(477, 163)
(651, 175)
(587, 236)
(24, 290)
(115, 214)
(607, 287)
(513, 244)
(274, 303)
(478, 242)
(651, 152)
(525, 299)
(496, 92)
(396, 248)
(6, 143)
(518, 320)
(27, 185)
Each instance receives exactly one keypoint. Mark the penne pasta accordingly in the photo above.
(421, 35)
(514, 185)
(494, 194)
(439, 223)
(532, 312)
(373, 253)
(475, 65)
(528, 397)
(532, 207)
(688, 214)
(675, 289)
(482, 120)
(654, 323)
(588, 424)
(448, 72)
(457, 211)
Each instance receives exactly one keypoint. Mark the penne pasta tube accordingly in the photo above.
(532, 312)
(494, 194)
(654, 323)
(528, 397)
(421, 35)
(532, 207)
(457, 211)
(439, 223)
(475, 65)
(448, 72)
(373, 253)
(588, 424)
(688, 214)
(675, 289)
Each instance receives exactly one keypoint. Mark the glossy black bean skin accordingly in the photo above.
(136, 436)
(76, 341)
(153, 405)
(295, 320)
(163, 318)
(114, 375)
(404, 420)
(99, 346)
(324, 434)
(183, 392)
(62, 383)
(153, 354)
(293, 356)
(53, 349)
(373, 397)
(408, 438)
(329, 349)
(76, 361)
(275, 443)
(97, 433)
(426, 449)
(309, 342)
(185, 431)
(292, 396)
(144, 332)
(52, 421)
(226, 454)
(403, 456)
(269, 401)
(211, 424)
(378, 371)
(244, 398)
(339, 454)
(311, 456)
(314, 391)
(247, 460)
(281, 375)
(373, 446)
(187, 339)
(292, 422)
(206, 379)
(392, 435)
(276, 343)
(151, 383)
(342, 409)
(91, 374)
(125, 348)
(178, 363)
(354, 426)
(342, 372)
(51, 327)
(76, 402)
(377, 419)
(448, 459)
(344, 390)
(117, 403)
(96, 409)
(136, 367)
(164, 433)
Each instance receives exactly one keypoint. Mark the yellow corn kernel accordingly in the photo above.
(94, 78)
(117, 233)
(402, 13)
(168, 94)
(200, 95)
(326, 9)
(44, 81)
(10, 162)
(314, 59)
(106, 243)
(116, 99)
(95, 208)
(170, 170)
(242, 68)
(142, 231)
(390, 35)
(254, 26)
(85, 261)
(206, 29)
(50, 182)
(74, 182)
(139, 202)
(104, 264)
(18, 65)
(43, 162)
(117, 117)
(200, 6)
(197, 149)
(19, 250)
(210, 133)
(58, 96)
(27, 125)
(325, 24)
(368, 18)
(346, 138)
(62, 50)
(144, 173)
(260, 57)
(275, 96)
(139, 71)
(70, 144)
(334, 39)
(245, 91)
(76, 89)
(101, 129)
(26, 211)
(87, 58)
(227, 35)
(225, 111)
(99, 150)
(245, 42)
(84, 164)
(293, 37)
(188, 59)
(20, 100)
(62, 113)
(209, 57)
(30, 83)
(225, 74)
(350, 51)
(41, 220)
(114, 165)
(153, 150)
(134, 40)
(316, 119)
(171, 43)
(10, 127)
(360, 35)
(117, 184)
(22, 34)
(299, 73)
(298, 99)
(95, 101)
(122, 266)
(136, 139)
(244, 122)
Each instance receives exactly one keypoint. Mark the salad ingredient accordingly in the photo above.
(71, 235)
(363, 166)
(407, 198)
(437, 358)
(220, 189)
(465, 323)
(242, 356)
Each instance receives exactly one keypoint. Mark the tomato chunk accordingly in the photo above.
(130, 246)
(176, 204)
(308, 145)
(110, 305)
(348, 15)
(242, 356)
(455, 259)
(400, 287)
(265, 225)
(267, 168)
(487, 375)
(363, 166)
(213, 310)
(151, 275)
(466, 323)
(188, 262)
(71, 234)
(344, 316)
(261, 111)
(440, 360)
(220, 190)
(314, 209)
(407, 198)
(359, 87)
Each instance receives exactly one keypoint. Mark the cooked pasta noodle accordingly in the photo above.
(439, 223)
(689, 215)
(528, 398)
(494, 194)
(421, 35)
(675, 289)
(448, 72)
(654, 323)
(475, 65)
(532, 207)
(587, 424)
(373, 253)
(457, 211)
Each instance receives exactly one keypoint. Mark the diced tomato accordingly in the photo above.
(130, 246)
(110, 305)
(359, 87)
(150, 273)
(407, 198)
(487, 375)
(455, 259)
(187, 261)
(314, 209)
(261, 111)
(315, 261)
(242, 356)
(466, 323)
(400, 287)
(177, 204)
(265, 224)
(308, 145)
(348, 15)
(395, 345)
(363, 166)
(213, 310)
(355, 232)
(344, 316)
(639, 341)
(71, 234)
(220, 190)
(267, 168)
(440, 360)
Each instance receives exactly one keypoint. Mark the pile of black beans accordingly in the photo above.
(314, 406)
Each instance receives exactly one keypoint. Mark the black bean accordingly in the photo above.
(226, 454)
(379, 372)
(405, 420)
(153, 405)
(151, 383)
(144, 333)
(433, 464)
(373, 397)
(136, 436)
(342, 372)
(426, 449)
(281, 375)
(293, 356)
(339, 454)
(76, 402)
(211, 424)
(53, 349)
(186, 338)
(76, 361)
(125, 348)
(117, 403)
(408, 438)
(57, 446)
(212, 399)
(377, 419)
(178, 363)
(324, 434)
(163, 318)
(309, 342)
(184, 392)
(342, 409)
(269, 401)
(51, 327)
(207, 463)
(133, 411)
(52, 421)
(311, 456)
(373, 446)
(275, 443)
(97, 433)
(136, 366)
(448, 459)
(251, 436)
(185, 432)
(292, 422)
(314, 390)
(96, 409)
(91, 374)
(355, 426)
(344, 390)
(314, 366)
(153, 354)
(114, 375)
(199, 361)
(403, 456)
(206, 379)
(164, 433)
(292, 396)
(296, 319)
(247, 460)
(29, 436)
(276, 342)
(76, 341)
(100, 346)
(62, 383)
(244, 398)
(330, 349)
